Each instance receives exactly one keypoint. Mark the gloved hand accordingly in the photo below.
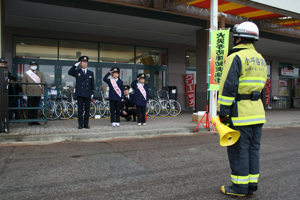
(25, 98)
(42, 97)
(225, 120)
(92, 96)
(77, 64)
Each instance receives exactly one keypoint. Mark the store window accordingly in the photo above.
(28, 47)
(190, 59)
(114, 53)
(151, 56)
(72, 50)
(48, 71)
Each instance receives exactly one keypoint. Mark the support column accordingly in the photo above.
(1, 27)
(202, 39)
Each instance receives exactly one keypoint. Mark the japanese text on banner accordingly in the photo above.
(190, 89)
(218, 54)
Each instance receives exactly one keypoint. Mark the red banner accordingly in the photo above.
(190, 89)
(268, 91)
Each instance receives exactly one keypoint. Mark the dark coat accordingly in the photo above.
(138, 98)
(112, 93)
(18, 89)
(127, 103)
(85, 83)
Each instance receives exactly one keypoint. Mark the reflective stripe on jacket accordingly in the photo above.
(244, 72)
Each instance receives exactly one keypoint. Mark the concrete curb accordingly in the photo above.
(108, 135)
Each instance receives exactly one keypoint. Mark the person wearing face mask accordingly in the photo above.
(33, 76)
(115, 94)
(85, 89)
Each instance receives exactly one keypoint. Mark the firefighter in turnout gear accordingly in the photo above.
(240, 106)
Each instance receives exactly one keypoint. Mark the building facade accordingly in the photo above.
(154, 38)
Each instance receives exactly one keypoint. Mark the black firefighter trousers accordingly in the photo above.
(244, 158)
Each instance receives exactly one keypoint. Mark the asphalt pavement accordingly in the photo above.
(172, 167)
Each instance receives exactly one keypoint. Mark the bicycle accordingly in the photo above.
(100, 106)
(153, 108)
(165, 105)
(175, 106)
(53, 108)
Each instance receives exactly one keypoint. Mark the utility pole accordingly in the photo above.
(213, 26)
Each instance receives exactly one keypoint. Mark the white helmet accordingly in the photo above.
(246, 30)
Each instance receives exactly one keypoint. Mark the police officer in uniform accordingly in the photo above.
(128, 107)
(3, 64)
(240, 106)
(85, 89)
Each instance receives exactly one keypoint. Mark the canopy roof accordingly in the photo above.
(248, 12)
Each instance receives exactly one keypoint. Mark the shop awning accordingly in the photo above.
(237, 9)
(248, 12)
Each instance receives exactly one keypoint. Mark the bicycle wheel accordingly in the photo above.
(92, 110)
(175, 108)
(40, 111)
(165, 108)
(51, 106)
(23, 113)
(107, 109)
(58, 110)
(154, 108)
(101, 108)
(67, 110)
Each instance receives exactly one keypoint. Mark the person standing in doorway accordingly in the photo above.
(141, 98)
(115, 94)
(84, 90)
(240, 106)
(33, 76)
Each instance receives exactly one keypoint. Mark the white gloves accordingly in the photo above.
(42, 97)
(92, 96)
(77, 64)
(25, 98)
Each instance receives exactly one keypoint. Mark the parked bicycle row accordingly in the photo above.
(63, 105)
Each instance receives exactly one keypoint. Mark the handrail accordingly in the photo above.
(45, 107)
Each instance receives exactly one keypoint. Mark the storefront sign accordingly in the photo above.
(287, 72)
(190, 89)
(218, 54)
(268, 91)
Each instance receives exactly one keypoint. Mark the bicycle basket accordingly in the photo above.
(66, 94)
(97, 95)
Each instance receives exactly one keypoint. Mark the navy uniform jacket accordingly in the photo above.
(85, 83)
(138, 98)
(112, 93)
(127, 103)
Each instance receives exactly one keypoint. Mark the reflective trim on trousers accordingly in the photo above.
(240, 179)
(253, 178)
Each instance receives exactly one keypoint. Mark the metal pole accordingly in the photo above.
(213, 27)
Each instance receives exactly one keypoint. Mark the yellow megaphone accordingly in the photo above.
(227, 135)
